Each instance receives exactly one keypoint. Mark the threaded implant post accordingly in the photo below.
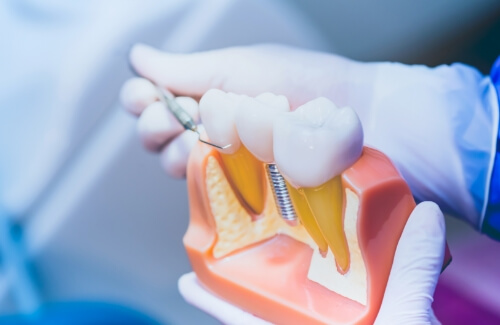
(281, 195)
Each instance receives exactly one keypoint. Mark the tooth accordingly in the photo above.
(312, 147)
(254, 122)
(243, 171)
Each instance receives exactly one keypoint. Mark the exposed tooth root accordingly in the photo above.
(326, 202)
(246, 176)
(307, 218)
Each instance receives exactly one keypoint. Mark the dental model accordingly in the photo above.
(331, 267)
(244, 172)
(254, 122)
(313, 146)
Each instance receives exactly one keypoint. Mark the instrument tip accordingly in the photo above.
(212, 144)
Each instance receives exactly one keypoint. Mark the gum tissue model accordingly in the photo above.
(317, 246)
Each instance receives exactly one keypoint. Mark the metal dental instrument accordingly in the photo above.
(281, 195)
(167, 98)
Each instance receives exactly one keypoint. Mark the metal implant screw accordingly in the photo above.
(281, 195)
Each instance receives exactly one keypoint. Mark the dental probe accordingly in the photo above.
(281, 195)
(167, 98)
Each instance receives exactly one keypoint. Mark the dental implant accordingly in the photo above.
(281, 196)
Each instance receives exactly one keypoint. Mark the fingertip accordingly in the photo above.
(136, 94)
(185, 284)
(415, 268)
(175, 155)
(430, 207)
(140, 52)
(424, 232)
(147, 61)
(428, 217)
(156, 126)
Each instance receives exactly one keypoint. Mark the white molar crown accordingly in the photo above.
(316, 142)
(254, 122)
(217, 112)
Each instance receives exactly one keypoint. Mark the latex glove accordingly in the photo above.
(412, 281)
(438, 125)
(157, 127)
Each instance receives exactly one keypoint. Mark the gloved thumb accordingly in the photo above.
(415, 270)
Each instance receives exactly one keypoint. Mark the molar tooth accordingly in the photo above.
(243, 171)
(312, 147)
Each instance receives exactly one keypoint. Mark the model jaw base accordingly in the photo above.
(270, 275)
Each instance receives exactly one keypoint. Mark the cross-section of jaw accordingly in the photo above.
(244, 172)
(312, 147)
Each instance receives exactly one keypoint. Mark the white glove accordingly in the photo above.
(157, 128)
(438, 125)
(408, 296)
(412, 113)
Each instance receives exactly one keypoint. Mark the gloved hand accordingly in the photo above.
(412, 281)
(438, 125)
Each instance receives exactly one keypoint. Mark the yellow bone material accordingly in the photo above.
(306, 218)
(236, 230)
(326, 202)
(235, 227)
(246, 175)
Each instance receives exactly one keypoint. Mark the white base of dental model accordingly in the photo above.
(409, 291)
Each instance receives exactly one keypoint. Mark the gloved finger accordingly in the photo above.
(157, 126)
(174, 156)
(191, 290)
(416, 268)
(137, 94)
(300, 75)
(191, 74)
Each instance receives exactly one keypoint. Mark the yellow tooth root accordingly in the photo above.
(307, 218)
(326, 202)
(246, 175)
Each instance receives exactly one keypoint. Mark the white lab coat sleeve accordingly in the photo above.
(439, 126)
